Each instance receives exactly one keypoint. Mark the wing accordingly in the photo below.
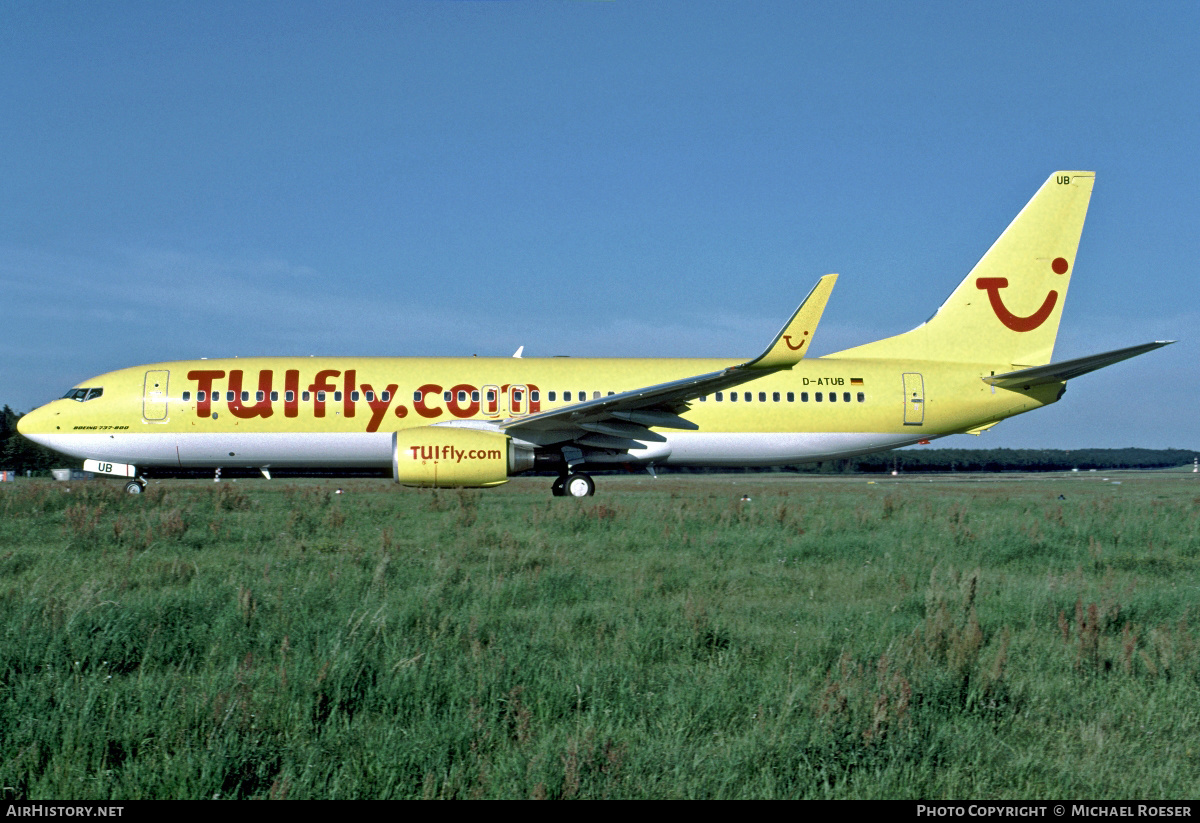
(622, 421)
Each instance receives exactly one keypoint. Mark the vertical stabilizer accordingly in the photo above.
(1008, 308)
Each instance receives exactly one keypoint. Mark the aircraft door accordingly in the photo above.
(154, 396)
(517, 400)
(490, 401)
(914, 399)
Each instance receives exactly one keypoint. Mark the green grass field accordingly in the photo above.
(965, 637)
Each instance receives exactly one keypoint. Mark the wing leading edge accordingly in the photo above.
(623, 421)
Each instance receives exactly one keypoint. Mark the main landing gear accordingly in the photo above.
(578, 484)
(136, 486)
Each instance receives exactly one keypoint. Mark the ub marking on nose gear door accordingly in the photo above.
(914, 399)
(154, 397)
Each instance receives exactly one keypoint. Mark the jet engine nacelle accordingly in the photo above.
(450, 456)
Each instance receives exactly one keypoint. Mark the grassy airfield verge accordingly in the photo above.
(965, 637)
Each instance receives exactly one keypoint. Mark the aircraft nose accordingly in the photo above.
(38, 421)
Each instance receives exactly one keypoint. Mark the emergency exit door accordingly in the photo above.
(914, 399)
(154, 396)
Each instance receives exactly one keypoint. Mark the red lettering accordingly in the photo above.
(378, 405)
(347, 402)
(204, 379)
(322, 384)
(291, 397)
(426, 391)
(261, 408)
(469, 408)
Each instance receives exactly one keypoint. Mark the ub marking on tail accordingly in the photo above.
(971, 365)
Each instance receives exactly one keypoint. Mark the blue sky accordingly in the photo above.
(588, 178)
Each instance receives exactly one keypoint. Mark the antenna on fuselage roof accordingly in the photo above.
(517, 353)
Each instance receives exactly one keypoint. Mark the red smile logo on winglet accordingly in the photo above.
(787, 338)
(992, 286)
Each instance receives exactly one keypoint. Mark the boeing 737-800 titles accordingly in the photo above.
(445, 422)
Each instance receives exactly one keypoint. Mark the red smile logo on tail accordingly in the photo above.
(992, 286)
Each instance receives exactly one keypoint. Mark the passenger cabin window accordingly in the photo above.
(832, 397)
(845, 397)
(305, 396)
(861, 397)
(289, 396)
(260, 396)
(762, 396)
(720, 395)
(791, 397)
(803, 397)
(385, 396)
(229, 397)
(354, 396)
(187, 395)
(818, 397)
(567, 396)
(274, 397)
(200, 396)
(337, 397)
(775, 397)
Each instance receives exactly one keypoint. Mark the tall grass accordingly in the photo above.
(827, 638)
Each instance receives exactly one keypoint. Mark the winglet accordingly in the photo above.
(795, 338)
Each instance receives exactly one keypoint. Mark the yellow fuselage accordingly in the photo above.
(341, 411)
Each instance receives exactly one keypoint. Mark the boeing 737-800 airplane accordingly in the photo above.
(445, 422)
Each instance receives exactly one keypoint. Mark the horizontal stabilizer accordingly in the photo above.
(1058, 372)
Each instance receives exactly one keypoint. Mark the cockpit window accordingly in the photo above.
(83, 395)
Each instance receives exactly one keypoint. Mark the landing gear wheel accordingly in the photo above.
(135, 487)
(580, 485)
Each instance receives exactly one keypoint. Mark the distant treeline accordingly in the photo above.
(20, 454)
(999, 460)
